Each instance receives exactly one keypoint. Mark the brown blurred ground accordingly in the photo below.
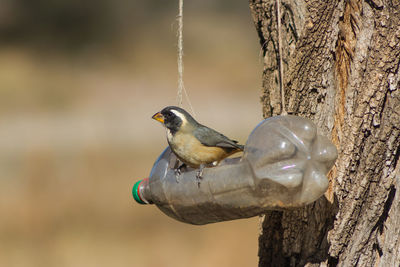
(78, 85)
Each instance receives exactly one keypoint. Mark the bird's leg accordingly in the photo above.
(178, 170)
(199, 174)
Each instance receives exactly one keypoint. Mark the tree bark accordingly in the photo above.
(341, 69)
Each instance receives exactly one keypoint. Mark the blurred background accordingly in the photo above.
(79, 82)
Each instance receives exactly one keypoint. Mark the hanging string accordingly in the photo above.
(278, 17)
(181, 86)
(180, 52)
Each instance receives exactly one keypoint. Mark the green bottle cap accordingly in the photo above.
(136, 194)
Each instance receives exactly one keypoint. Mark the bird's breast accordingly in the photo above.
(192, 152)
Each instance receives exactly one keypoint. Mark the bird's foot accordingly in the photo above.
(177, 174)
(178, 171)
(199, 174)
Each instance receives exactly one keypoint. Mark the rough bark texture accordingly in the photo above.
(341, 64)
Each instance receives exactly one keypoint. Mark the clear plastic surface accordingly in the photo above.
(284, 165)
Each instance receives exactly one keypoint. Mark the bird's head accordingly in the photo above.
(175, 119)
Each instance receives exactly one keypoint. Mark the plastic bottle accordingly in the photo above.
(284, 165)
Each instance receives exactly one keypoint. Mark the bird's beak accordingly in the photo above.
(158, 117)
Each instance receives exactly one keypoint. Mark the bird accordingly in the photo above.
(194, 144)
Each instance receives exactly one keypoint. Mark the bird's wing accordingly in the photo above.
(210, 137)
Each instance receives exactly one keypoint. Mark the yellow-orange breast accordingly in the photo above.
(189, 150)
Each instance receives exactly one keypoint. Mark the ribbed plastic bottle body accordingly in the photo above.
(283, 166)
(183, 198)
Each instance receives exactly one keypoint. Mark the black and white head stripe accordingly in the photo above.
(180, 115)
(178, 112)
(175, 118)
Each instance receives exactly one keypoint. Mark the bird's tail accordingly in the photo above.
(238, 146)
(241, 147)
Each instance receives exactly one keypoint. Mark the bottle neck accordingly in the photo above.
(138, 191)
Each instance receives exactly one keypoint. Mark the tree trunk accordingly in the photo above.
(341, 69)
